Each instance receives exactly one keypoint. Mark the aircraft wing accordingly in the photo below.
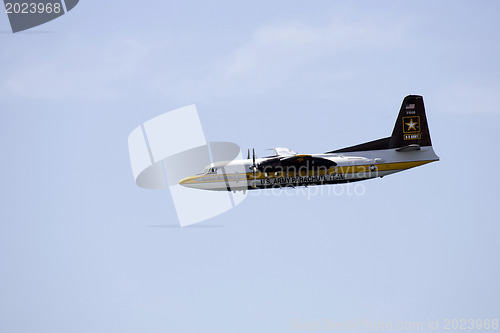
(307, 160)
(279, 163)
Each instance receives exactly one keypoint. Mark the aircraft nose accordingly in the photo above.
(187, 182)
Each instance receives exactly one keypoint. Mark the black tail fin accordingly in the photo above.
(411, 126)
(410, 129)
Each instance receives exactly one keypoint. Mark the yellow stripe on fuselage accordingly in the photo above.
(344, 170)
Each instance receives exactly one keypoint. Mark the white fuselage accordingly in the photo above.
(238, 175)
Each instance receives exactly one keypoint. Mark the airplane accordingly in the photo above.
(409, 146)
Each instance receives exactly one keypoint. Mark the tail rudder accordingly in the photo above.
(410, 132)
(411, 126)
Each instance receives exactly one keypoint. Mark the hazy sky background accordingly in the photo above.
(83, 249)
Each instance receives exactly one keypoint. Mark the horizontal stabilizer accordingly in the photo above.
(411, 147)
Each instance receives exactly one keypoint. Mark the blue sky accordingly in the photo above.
(83, 249)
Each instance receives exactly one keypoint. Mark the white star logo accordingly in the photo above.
(411, 125)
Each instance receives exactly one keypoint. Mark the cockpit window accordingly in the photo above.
(209, 170)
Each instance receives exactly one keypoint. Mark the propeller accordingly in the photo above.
(254, 166)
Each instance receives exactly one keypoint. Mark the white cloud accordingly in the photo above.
(276, 54)
(273, 55)
(276, 47)
(469, 98)
(88, 72)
